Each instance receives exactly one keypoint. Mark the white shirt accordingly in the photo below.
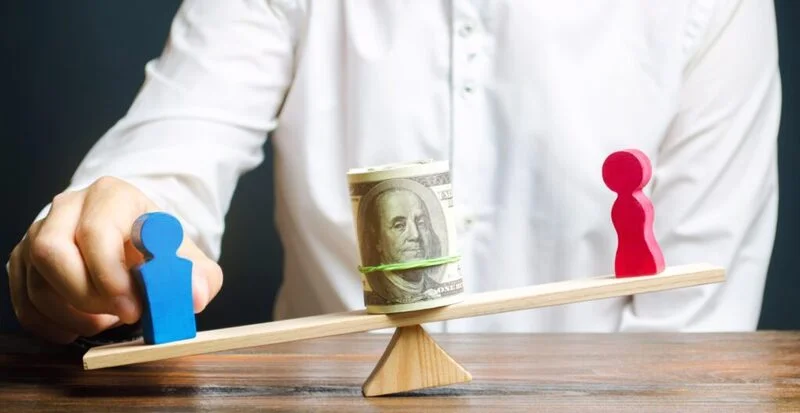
(524, 98)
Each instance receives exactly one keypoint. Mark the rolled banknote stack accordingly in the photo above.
(403, 215)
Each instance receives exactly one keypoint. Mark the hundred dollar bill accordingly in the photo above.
(403, 214)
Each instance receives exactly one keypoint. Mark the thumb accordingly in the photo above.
(206, 274)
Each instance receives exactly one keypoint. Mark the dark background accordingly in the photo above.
(71, 68)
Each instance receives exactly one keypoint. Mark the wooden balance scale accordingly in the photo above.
(412, 360)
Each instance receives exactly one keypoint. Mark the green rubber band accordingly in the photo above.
(399, 266)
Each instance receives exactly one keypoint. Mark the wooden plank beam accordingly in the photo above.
(493, 302)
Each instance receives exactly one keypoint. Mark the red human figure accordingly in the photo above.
(638, 253)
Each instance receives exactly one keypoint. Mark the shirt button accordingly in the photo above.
(468, 89)
(466, 29)
(464, 218)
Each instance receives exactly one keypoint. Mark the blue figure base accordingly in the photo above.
(168, 311)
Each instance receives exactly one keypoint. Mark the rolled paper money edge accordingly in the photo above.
(417, 306)
(396, 170)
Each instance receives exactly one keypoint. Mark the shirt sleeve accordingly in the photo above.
(715, 184)
(202, 115)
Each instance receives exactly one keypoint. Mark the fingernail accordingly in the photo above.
(200, 289)
(126, 307)
(116, 323)
(113, 321)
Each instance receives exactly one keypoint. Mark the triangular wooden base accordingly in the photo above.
(413, 361)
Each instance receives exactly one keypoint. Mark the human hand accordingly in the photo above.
(70, 274)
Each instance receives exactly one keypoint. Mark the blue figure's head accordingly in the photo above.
(157, 233)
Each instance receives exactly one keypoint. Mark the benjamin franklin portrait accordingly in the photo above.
(401, 220)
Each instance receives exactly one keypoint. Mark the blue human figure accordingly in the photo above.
(165, 280)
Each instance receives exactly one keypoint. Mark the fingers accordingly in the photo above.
(71, 274)
(55, 308)
(27, 314)
(56, 257)
(104, 226)
(206, 275)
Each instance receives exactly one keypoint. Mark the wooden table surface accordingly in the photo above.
(758, 372)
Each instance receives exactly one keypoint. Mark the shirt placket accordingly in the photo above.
(465, 85)
(466, 32)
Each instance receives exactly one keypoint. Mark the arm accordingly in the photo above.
(197, 124)
(201, 117)
(715, 184)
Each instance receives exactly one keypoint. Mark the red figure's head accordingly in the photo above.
(627, 171)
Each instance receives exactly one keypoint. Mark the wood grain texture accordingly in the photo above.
(734, 372)
(535, 296)
(413, 361)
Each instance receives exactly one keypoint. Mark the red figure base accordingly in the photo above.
(638, 253)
